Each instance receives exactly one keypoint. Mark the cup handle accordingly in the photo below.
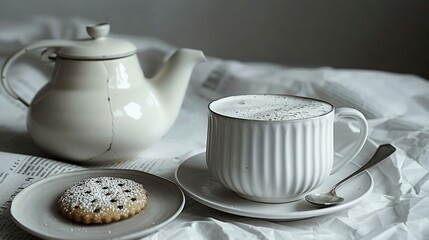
(363, 134)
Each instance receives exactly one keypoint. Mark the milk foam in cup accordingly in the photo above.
(275, 148)
(270, 107)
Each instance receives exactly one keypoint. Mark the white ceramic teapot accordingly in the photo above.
(99, 106)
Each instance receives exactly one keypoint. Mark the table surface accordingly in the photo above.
(396, 106)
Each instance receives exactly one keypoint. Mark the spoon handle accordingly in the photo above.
(382, 152)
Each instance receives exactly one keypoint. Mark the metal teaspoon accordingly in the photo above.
(331, 198)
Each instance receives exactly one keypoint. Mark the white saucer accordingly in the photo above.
(34, 208)
(195, 179)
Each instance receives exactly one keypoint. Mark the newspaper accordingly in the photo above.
(396, 105)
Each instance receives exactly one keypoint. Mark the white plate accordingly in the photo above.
(34, 208)
(195, 179)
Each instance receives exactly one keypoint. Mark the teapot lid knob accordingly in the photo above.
(98, 30)
(98, 46)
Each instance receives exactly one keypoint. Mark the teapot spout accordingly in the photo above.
(173, 78)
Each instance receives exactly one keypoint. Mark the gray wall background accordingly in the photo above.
(390, 35)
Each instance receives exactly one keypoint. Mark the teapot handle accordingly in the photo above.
(53, 44)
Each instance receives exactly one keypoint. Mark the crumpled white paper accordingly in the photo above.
(396, 105)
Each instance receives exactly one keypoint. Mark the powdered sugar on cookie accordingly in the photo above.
(102, 200)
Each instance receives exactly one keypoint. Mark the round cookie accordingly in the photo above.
(102, 200)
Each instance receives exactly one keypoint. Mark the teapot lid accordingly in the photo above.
(99, 46)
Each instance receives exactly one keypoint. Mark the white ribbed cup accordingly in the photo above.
(275, 161)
